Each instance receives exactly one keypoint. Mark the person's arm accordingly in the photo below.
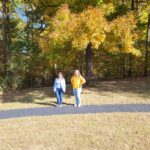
(64, 85)
(55, 85)
(82, 80)
(72, 80)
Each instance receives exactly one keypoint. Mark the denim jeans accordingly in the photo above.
(77, 94)
(59, 95)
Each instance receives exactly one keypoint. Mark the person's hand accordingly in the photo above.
(80, 85)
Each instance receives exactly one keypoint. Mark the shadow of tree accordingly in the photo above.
(139, 86)
(46, 96)
(30, 95)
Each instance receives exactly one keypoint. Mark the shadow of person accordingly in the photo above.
(52, 103)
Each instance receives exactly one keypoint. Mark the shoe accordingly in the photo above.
(75, 105)
(79, 105)
(60, 105)
(57, 106)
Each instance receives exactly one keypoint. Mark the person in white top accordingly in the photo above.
(59, 88)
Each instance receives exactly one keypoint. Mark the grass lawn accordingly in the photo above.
(115, 131)
(103, 131)
(106, 92)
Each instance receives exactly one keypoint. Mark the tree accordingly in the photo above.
(147, 47)
(85, 30)
(4, 36)
(89, 29)
(144, 27)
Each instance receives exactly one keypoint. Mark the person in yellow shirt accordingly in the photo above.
(77, 81)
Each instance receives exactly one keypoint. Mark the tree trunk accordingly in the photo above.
(122, 65)
(137, 5)
(130, 55)
(132, 5)
(130, 65)
(147, 47)
(4, 35)
(89, 63)
(81, 62)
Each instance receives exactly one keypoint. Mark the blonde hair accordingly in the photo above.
(79, 74)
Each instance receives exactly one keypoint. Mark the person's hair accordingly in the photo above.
(57, 76)
(79, 74)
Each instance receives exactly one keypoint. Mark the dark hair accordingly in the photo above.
(57, 76)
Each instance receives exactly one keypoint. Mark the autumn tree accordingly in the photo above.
(88, 30)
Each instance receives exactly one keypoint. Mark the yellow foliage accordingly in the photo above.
(91, 26)
(87, 26)
(144, 12)
(122, 36)
(108, 8)
(43, 44)
(61, 27)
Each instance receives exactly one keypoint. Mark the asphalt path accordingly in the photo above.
(68, 110)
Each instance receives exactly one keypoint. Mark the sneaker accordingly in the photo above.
(60, 105)
(75, 105)
(57, 106)
(79, 105)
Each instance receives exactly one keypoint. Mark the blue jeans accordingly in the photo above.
(77, 94)
(59, 95)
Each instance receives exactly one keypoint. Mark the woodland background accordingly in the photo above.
(105, 39)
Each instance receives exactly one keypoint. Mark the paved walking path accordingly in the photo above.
(107, 108)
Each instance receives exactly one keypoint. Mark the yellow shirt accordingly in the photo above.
(77, 81)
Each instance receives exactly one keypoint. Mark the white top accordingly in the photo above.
(60, 83)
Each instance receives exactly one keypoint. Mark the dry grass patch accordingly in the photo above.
(106, 92)
(117, 131)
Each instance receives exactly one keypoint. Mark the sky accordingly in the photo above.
(21, 14)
